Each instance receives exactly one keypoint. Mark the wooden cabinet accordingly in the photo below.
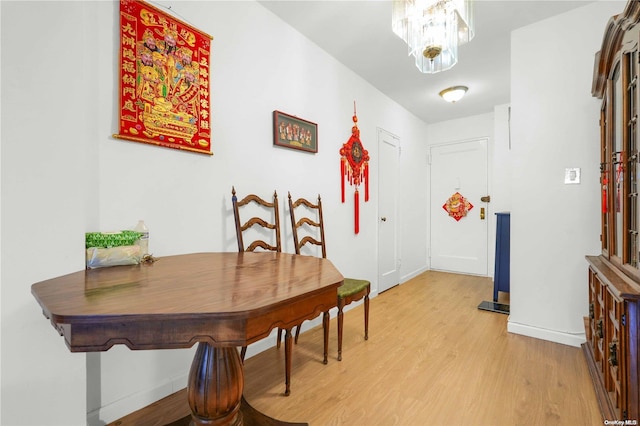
(612, 346)
(612, 340)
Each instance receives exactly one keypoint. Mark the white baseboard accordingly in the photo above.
(407, 277)
(134, 402)
(544, 334)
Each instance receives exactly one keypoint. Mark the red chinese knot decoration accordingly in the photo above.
(354, 167)
(457, 206)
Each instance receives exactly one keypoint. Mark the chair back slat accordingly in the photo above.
(257, 221)
(262, 244)
(252, 197)
(309, 240)
(307, 221)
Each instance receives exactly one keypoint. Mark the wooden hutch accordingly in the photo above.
(613, 343)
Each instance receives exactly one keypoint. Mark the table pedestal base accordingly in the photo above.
(250, 417)
(214, 391)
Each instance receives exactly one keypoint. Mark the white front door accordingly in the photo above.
(459, 245)
(388, 171)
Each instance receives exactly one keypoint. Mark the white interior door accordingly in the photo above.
(388, 172)
(459, 245)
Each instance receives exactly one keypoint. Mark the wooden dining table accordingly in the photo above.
(221, 301)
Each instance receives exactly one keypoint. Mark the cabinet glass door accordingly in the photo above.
(604, 178)
(617, 160)
(630, 118)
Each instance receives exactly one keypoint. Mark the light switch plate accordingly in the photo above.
(572, 175)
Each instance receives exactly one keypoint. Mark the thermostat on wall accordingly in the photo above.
(572, 175)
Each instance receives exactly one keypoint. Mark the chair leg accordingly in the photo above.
(279, 338)
(243, 352)
(325, 328)
(366, 317)
(340, 323)
(298, 333)
(287, 361)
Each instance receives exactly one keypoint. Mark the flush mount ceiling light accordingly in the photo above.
(433, 30)
(453, 94)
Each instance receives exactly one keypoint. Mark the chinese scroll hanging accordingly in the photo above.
(354, 167)
(164, 80)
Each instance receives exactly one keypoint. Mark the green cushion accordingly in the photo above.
(352, 286)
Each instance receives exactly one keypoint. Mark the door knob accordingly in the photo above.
(384, 219)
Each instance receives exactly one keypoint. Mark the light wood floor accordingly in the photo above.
(432, 358)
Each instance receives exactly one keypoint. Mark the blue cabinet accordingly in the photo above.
(501, 273)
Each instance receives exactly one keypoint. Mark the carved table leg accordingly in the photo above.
(215, 385)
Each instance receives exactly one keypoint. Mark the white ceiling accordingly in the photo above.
(359, 35)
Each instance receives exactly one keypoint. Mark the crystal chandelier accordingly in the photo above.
(433, 30)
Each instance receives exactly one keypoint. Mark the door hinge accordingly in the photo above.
(624, 319)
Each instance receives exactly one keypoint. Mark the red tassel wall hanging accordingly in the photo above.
(356, 211)
(354, 167)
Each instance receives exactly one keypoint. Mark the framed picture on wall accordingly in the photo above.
(293, 132)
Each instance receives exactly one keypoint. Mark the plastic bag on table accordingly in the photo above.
(115, 256)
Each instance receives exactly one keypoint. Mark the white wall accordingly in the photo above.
(500, 173)
(63, 175)
(49, 199)
(554, 126)
(0, 225)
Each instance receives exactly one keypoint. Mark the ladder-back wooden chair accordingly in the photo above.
(268, 218)
(308, 228)
(269, 224)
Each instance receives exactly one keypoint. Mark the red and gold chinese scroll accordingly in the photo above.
(164, 80)
(354, 167)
